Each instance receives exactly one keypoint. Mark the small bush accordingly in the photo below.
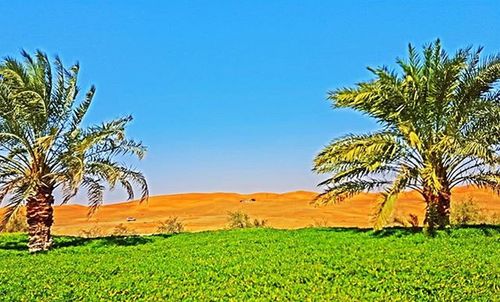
(319, 223)
(122, 230)
(259, 223)
(172, 225)
(240, 220)
(17, 223)
(466, 212)
(92, 232)
(494, 219)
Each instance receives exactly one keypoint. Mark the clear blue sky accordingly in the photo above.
(230, 95)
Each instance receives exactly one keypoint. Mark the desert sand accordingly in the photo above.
(209, 211)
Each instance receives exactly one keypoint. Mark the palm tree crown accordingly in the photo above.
(44, 146)
(440, 119)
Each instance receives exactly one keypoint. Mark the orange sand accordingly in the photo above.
(209, 211)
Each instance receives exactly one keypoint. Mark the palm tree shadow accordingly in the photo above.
(19, 243)
(386, 232)
(397, 232)
(14, 244)
(487, 230)
(101, 241)
(352, 230)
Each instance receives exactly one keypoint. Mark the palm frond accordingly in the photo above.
(389, 197)
(44, 142)
(440, 118)
(341, 191)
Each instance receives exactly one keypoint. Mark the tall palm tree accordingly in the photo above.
(44, 146)
(440, 127)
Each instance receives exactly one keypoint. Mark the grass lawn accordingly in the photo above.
(258, 264)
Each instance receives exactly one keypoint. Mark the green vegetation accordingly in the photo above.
(44, 146)
(259, 263)
(440, 118)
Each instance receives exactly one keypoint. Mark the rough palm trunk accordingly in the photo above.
(443, 208)
(437, 214)
(39, 214)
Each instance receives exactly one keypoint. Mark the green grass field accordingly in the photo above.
(258, 264)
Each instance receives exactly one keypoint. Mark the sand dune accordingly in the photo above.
(208, 211)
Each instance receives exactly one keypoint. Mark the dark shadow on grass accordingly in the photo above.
(487, 229)
(352, 230)
(163, 235)
(386, 232)
(61, 242)
(396, 231)
(19, 243)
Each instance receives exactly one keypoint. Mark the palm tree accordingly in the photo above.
(44, 146)
(440, 126)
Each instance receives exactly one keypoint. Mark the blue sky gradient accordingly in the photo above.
(230, 95)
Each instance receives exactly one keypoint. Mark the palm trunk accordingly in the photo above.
(39, 214)
(443, 209)
(437, 215)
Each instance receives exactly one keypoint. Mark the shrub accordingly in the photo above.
(240, 220)
(122, 230)
(172, 225)
(466, 212)
(494, 219)
(92, 232)
(17, 223)
(319, 223)
(259, 223)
